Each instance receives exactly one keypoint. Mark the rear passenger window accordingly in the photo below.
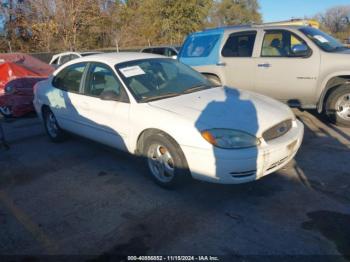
(69, 79)
(239, 45)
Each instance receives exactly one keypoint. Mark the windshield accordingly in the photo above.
(153, 79)
(199, 45)
(323, 40)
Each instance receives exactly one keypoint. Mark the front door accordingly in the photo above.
(66, 96)
(106, 121)
(282, 72)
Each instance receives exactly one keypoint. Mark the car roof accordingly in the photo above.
(112, 59)
(244, 27)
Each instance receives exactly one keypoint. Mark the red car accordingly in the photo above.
(17, 99)
(18, 74)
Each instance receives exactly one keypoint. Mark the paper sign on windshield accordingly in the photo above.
(132, 71)
(321, 39)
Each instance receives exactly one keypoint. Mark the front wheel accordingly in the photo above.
(337, 107)
(55, 133)
(165, 160)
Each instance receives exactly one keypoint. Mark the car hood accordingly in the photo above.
(227, 108)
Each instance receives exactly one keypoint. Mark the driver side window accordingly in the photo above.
(101, 79)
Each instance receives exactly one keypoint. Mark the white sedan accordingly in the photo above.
(170, 115)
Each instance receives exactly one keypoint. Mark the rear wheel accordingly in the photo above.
(6, 111)
(337, 107)
(52, 128)
(165, 161)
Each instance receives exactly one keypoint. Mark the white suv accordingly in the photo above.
(301, 66)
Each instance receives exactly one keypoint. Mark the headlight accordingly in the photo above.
(9, 89)
(229, 138)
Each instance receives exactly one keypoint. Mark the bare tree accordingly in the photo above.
(336, 19)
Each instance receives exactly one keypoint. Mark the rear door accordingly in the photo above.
(65, 97)
(282, 74)
(236, 60)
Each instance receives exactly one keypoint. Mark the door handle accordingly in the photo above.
(221, 64)
(266, 65)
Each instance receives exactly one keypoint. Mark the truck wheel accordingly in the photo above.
(337, 107)
(55, 133)
(6, 111)
(165, 161)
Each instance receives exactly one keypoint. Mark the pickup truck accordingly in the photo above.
(299, 65)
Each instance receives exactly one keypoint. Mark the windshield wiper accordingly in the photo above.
(152, 98)
(196, 88)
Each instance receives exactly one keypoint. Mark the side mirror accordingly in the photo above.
(110, 96)
(174, 57)
(300, 50)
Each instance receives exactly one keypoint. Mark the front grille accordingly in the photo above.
(277, 130)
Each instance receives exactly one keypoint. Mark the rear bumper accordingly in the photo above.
(245, 165)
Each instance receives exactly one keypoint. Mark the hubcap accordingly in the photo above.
(5, 110)
(160, 163)
(342, 107)
(51, 125)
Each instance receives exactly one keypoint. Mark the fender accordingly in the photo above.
(331, 81)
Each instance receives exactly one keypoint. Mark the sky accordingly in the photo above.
(278, 10)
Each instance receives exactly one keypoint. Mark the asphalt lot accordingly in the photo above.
(81, 198)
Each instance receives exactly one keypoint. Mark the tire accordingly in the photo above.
(165, 161)
(6, 111)
(213, 79)
(337, 106)
(53, 130)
